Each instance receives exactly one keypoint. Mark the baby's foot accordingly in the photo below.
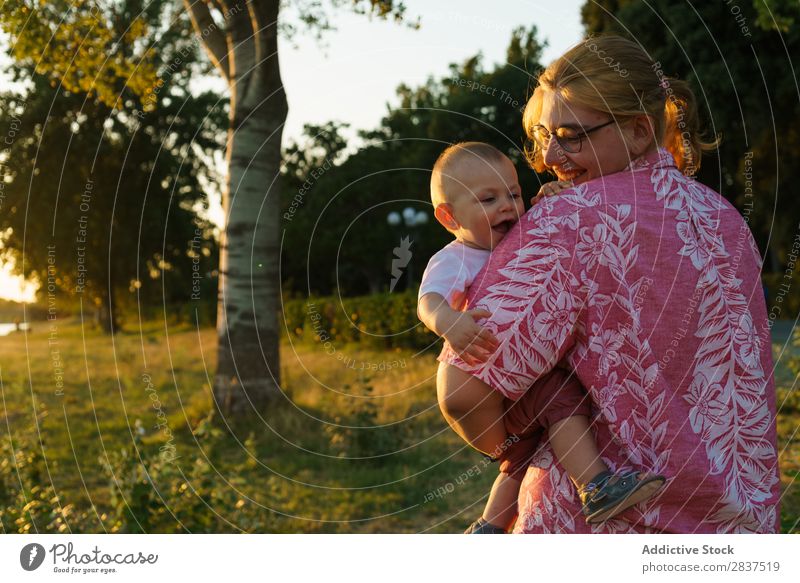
(608, 494)
(481, 526)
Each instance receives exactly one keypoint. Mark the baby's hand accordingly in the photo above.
(473, 343)
(551, 188)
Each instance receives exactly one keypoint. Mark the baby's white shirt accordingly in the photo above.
(451, 271)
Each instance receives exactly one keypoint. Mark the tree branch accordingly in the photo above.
(241, 45)
(210, 33)
(264, 16)
(268, 74)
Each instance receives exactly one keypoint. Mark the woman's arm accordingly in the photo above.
(472, 408)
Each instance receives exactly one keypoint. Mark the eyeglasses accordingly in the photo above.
(569, 139)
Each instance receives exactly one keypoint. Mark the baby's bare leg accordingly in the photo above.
(472, 409)
(575, 447)
(501, 508)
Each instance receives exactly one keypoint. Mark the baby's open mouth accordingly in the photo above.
(504, 227)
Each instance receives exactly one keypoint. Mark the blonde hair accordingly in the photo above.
(444, 168)
(616, 76)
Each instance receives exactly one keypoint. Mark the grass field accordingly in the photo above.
(358, 445)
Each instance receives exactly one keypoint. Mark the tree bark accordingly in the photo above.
(248, 369)
(104, 314)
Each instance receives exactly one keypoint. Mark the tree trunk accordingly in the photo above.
(104, 317)
(243, 46)
(248, 369)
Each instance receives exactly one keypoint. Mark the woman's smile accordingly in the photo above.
(569, 173)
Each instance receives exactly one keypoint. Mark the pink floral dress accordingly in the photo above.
(647, 283)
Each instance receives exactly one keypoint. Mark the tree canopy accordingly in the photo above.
(738, 59)
(103, 183)
(336, 237)
(336, 201)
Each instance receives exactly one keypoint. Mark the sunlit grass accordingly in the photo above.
(354, 446)
(296, 454)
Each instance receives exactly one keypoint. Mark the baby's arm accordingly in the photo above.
(472, 342)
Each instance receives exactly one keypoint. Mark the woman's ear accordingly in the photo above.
(444, 214)
(641, 135)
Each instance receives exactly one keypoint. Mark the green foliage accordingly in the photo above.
(783, 293)
(381, 320)
(107, 196)
(787, 375)
(739, 66)
(311, 16)
(11, 311)
(361, 434)
(334, 220)
(97, 49)
(793, 363)
(28, 500)
(778, 14)
(150, 492)
(598, 16)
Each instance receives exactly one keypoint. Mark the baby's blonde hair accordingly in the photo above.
(443, 173)
(616, 76)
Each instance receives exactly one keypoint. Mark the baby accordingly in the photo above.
(476, 196)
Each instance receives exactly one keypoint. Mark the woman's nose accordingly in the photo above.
(553, 154)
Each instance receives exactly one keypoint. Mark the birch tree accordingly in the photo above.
(241, 40)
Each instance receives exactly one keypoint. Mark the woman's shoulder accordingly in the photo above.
(651, 191)
(560, 215)
(566, 202)
(641, 203)
(690, 196)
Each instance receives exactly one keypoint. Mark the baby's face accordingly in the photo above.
(486, 201)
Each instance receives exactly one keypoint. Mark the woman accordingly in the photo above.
(646, 285)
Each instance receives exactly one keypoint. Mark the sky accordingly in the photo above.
(353, 74)
(365, 60)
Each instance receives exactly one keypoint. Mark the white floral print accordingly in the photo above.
(629, 279)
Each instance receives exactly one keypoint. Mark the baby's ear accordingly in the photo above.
(444, 214)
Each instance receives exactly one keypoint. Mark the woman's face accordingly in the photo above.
(604, 151)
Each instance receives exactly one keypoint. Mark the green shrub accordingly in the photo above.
(28, 501)
(151, 492)
(130, 315)
(362, 433)
(380, 320)
(783, 294)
